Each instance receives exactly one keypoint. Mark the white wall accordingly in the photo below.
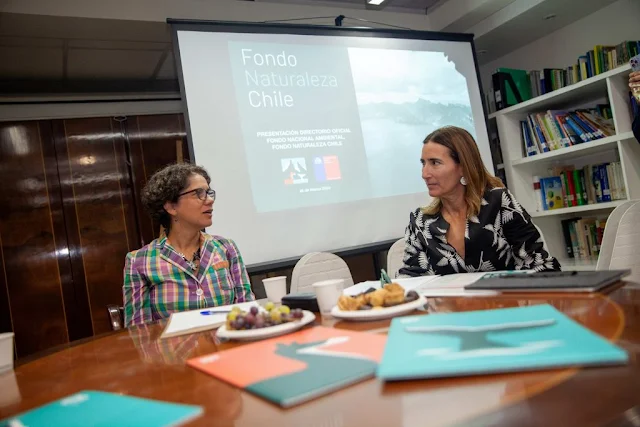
(609, 26)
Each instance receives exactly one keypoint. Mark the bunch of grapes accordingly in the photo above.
(255, 319)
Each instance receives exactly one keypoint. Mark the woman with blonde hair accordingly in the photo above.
(474, 223)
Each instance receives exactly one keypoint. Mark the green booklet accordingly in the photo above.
(100, 409)
(491, 341)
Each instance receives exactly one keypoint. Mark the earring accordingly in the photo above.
(463, 181)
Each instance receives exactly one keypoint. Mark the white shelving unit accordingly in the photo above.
(610, 87)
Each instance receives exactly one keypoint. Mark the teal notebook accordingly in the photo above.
(491, 341)
(98, 409)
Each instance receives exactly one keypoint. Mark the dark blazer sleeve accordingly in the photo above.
(524, 238)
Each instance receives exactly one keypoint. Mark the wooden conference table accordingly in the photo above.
(135, 362)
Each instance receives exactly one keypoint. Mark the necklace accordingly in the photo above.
(195, 261)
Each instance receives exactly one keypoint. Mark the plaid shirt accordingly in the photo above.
(158, 281)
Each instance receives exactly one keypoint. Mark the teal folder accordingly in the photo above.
(100, 409)
(491, 341)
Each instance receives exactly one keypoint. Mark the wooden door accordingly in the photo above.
(33, 249)
(100, 219)
(70, 194)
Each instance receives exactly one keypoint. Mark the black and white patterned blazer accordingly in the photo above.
(500, 237)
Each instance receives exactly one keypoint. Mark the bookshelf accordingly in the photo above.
(610, 87)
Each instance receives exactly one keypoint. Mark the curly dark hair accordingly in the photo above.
(165, 185)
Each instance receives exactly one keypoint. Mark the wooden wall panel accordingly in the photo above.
(75, 305)
(153, 141)
(29, 256)
(94, 159)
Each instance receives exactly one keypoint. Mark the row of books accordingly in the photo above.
(583, 236)
(596, 61)
(512, 86)
(555, 129)
(569, 187)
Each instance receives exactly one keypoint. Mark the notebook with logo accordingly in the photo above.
(100, 409)
(294, 368)
(491, 341)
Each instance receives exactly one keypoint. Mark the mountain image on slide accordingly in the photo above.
(420, 112)
(294, 170)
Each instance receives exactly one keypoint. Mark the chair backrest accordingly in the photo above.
(626, 246)
(318, 266)
(395, 256)
(116, 317)
(610, 233)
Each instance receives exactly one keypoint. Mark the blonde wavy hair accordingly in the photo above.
(464, 151)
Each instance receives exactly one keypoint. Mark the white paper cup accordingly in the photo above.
(327, 293)
(6, 351)
(275, 287)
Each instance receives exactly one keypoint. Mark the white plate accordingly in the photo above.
(379, 314)
(268, 332)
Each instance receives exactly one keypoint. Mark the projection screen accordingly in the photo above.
(312, 135)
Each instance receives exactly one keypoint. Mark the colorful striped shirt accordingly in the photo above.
(158, 281)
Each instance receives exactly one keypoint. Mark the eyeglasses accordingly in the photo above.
(201, 193)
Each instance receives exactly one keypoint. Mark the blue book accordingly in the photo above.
(604, 182)
(491, 341)
(536, 126)
(100, 409)
(551, 187)
(529, 146)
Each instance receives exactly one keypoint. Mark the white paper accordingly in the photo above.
(444, 292)
(408, 283)
(430, 286)
(185, 321)
(453, 281)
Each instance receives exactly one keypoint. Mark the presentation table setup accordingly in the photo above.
(502, 359)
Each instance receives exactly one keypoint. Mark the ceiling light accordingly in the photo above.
(375, 2)
(549, 16)
(482, 52)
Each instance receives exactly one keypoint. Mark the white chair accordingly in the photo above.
(318, 266)
(610, 232)
(621, 242)
(395, 256)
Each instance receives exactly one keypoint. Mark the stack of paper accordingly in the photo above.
(188, 322)
(409, 283)
(430, 286)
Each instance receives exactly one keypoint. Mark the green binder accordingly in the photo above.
(514, 86)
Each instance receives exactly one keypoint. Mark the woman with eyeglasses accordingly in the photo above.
(185, 269)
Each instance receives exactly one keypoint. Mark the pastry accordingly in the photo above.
(360, 301)
(394, 298)
(376, 299)
(347, 303)
(394, 287)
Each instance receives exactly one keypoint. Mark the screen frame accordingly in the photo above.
(247, 27)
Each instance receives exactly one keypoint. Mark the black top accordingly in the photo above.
(501, 237)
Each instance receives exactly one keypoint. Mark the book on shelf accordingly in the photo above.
(511, 87)
(567, 186)
(596, 61)
(554, 129)
(583, 236)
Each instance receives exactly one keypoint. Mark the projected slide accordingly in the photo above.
(312, 137)
(330, 124)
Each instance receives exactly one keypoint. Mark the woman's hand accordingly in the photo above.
(634, 79)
